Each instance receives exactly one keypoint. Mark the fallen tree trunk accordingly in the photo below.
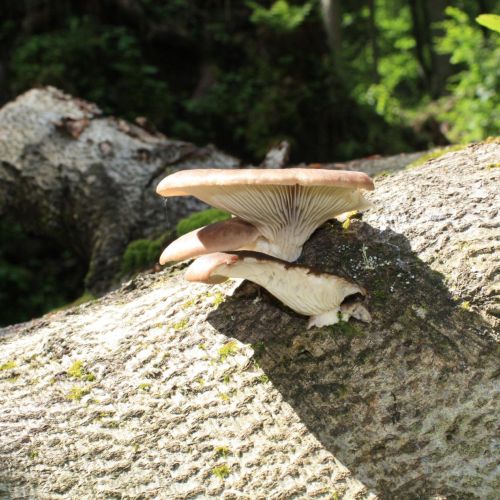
(165, 389)
(87, 181)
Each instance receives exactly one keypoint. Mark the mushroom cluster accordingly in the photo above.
(274, 214)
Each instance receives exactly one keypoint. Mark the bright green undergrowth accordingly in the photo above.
(200, 219)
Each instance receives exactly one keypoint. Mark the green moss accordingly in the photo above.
(8, 366)
(77, 393)
(143, 253)
(83, 299)
(263, 379)
(200, 219)
(347, 223)
(383, 173)
(346, 329)
(145, 387)
(229, 349)
(139, 255)
(218, 298)
(189, 303)
(221, 451)
(13, 379)
(491, 166)
(181, 325)
(225, 396)
(433, 155)
(226, 378)
(222, 471)
(465, 305)
(379, 295)
(78, 371)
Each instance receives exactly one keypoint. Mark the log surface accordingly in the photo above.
(191, 391)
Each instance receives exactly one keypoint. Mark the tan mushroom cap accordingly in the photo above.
(307, 291)
(184, 182)
(285, 206)
(218, 237)
(204, 269)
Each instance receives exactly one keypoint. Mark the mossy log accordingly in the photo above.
(69, 173)
(191, 391)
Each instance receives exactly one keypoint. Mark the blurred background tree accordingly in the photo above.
(337, 79)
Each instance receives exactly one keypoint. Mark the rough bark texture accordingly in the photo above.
(377, 165)
(88, 181)
(185, 391)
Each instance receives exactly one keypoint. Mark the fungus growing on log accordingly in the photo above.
(284, 206)
(217, 237)
(322, 296)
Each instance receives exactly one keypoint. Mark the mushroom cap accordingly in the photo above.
(303, 289)
(226, 235)
(204, 269)
(186, 182)
(285, 206)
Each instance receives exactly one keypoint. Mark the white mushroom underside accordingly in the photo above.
(285, 216)
(306, 293)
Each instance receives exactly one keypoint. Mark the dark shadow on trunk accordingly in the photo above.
(388, 399)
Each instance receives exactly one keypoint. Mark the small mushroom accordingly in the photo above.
(285, 206)
(218, 237)
(320, 295)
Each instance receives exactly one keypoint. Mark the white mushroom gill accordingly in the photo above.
(318, 295)
(285, 216)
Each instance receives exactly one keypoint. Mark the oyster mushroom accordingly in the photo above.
(322, 296)
(284, 206)
(221, 236)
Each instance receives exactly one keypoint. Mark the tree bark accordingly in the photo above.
(441, 67)
(186, 390)
(332, 20)
(373, 41)
(89, 181)
(420, 28)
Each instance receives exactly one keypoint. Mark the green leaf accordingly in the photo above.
(491, 21)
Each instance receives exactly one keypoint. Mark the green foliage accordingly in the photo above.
(139, 255)
(84, 58)
(36, 276)
(472, 111)
(491, 21)
(397, 69)
(143, 253)
(281, 16)
(200, 219)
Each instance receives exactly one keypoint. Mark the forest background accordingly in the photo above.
(338, 80)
